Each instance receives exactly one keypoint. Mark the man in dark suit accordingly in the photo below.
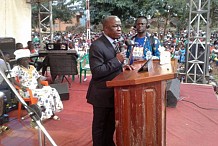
(105, 63)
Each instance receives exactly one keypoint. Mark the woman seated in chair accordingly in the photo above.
(48, 98)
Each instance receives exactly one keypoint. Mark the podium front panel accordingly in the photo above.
(140, 114)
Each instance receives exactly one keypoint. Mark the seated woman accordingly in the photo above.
(28, 77)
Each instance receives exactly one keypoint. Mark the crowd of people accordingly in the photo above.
(175, 43)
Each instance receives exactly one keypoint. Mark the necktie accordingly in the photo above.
(116, 46)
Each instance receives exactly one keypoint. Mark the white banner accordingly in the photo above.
(15, 16)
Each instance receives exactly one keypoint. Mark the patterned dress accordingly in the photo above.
(47, 97)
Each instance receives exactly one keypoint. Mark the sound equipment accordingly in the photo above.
(1, 103)
(10, 102)
(62, 89)
(199, 53)
(3, 117)
(7, 44)
(172, 92)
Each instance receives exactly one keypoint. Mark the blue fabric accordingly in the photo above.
(182, 56)
(156, 52)
(145, 42)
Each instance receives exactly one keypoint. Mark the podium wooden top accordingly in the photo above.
(156, 72)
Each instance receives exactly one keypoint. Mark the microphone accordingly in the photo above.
(131, 43)
(28, 115)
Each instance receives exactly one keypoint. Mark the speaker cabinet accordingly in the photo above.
(1, 103)
(173, 92)
(7, 44)
(62, 89)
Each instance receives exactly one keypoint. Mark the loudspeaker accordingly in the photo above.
(7, 44)
(1, 103)
(172, 92)
(200, 53)
(62, 89)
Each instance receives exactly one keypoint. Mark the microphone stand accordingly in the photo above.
(33, 111)
(131, 54)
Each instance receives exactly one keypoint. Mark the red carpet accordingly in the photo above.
(187, 124)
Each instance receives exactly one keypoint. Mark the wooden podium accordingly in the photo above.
(140, 104)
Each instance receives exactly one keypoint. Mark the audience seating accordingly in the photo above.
(84, 66)
(62, 65)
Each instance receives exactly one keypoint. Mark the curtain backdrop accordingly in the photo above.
(15, 16)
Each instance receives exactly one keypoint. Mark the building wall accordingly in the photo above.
(61, 26)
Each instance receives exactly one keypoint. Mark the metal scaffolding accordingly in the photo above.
(197, 53)
(45, 10)
(44, 16)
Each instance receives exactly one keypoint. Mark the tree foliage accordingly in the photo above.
(61, 10)
(214, 13)
(128, 10)
(175, 12)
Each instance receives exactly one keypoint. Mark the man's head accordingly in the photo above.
(216, 44)
(141, 24)
(6, 56)
(22, 53)
(30, 45)
(19, 46)
(112, 27)
(22, 56)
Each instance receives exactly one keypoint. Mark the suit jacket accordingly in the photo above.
(104, 67)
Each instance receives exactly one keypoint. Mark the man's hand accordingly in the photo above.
(39, 86)
(23, 88)
(120, 56)
(128, 67)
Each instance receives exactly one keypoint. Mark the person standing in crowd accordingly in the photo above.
(182, 54)
(155, 45)
(105, 64)
(18, 46)
(144, 41)
(30, 46)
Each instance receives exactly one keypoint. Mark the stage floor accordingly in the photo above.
(194, 121)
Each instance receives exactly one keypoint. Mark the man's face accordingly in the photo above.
(141, 25)
(7, 57)
(25, 61)
(113, 28)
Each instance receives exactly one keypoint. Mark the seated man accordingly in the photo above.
(48, 97)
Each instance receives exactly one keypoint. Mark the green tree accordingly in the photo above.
(214, 13)
(124, 9)
(128, 10)
(61, 9)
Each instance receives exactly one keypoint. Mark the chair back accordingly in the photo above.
(62, 64)
(84, 66)
(84, 62)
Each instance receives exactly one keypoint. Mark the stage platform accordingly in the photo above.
(194, 121)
